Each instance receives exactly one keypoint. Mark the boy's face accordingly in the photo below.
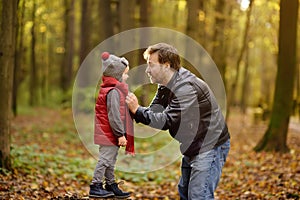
(125, 74)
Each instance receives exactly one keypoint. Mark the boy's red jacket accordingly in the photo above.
(103, 134)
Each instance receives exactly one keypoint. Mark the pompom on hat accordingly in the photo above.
(113, 66)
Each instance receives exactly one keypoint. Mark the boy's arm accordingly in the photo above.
(114, 116)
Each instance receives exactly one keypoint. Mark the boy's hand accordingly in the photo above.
(122, 141)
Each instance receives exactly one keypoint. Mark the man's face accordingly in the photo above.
(155, 70)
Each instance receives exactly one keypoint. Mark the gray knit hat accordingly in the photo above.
(113, 66)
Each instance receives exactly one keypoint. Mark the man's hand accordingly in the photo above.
(132, 102)
(122, 141)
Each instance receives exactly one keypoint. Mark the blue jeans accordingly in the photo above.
(200, 175)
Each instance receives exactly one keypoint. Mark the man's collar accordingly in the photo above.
(172, 81)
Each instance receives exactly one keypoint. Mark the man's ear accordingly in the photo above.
(167, 65)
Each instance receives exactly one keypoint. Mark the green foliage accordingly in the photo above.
(84, 99)
(158, 177)
(152, 140)
(32, 162)
(48, 163)
(59, 98)
(145, 93)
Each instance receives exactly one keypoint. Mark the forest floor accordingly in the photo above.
(50, 162)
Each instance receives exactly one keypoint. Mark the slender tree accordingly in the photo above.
(245, 83)
(195, 24)
(106, 22)
(145, 12)
(232, 97)
(126, 14)
(33, 99)
(243, 50)
(7, 51)
(67, 67)
(276, 135)
(85, 38)
(85, 29)
(219, 49)
(297, 88)
(192, 27)
(127, 22)
(19, 56)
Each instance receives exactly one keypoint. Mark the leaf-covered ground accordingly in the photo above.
(50, 162)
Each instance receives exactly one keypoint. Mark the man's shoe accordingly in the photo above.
(116, 190)
(97, 191)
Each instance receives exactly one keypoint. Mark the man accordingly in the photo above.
(186, 107)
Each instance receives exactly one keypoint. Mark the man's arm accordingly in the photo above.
(185, 99)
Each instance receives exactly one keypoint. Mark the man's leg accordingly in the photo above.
(183, 184)
(206, 172)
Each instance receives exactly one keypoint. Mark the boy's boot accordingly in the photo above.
(116, 190)
(97, 191)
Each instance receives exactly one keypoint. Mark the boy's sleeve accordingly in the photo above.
(114, 116)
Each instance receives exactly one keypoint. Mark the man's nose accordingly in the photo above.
(147, 69)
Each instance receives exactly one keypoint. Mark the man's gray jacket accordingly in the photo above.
(188, 109)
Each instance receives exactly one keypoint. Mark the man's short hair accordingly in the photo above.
(166, 54)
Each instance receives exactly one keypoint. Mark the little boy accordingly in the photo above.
(113, 126)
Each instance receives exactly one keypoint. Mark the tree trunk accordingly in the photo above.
(192, 27)
(85, 30)
(106, 22)
(232, 97)
(266, 80)
(67, 64)
(7, 51)
(245, 83)
(195, 25)
(33, 99)
(85, 39)
(276, 134)
(127, 22)
(192, 30)
(145, 12)
(44, 68)
(18, 58)
(219, 48)
(297, 86)
(126, 14)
